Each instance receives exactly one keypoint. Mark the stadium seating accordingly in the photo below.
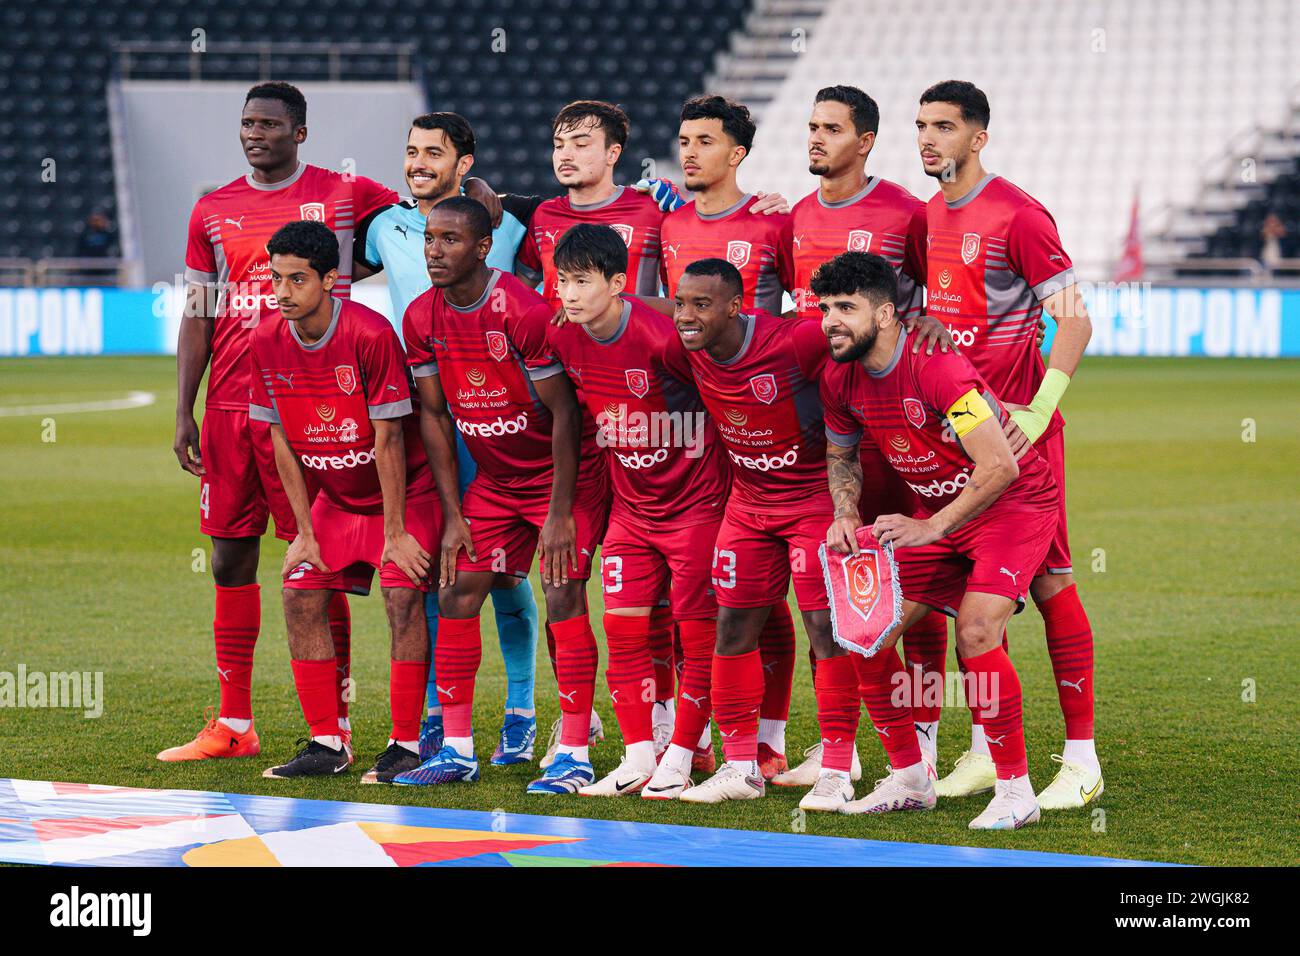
(1092, 100)
(56, 58)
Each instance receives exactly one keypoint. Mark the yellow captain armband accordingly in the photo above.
(967, 412)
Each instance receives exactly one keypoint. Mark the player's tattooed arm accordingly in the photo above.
(193, 352)
(844, 473)
(436, 431)
(558, 541)
(303, 549)
(400, 546)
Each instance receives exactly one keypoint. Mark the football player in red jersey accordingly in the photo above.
(329, 378)
(757, 375)
(714, 138)
(477, 344)
(995, 265)
(229, 278)
(851, 210)
(670, 481)
(985, 521)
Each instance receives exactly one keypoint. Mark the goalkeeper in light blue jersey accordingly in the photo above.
(439, 154)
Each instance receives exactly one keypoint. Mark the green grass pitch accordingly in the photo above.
(1184, 535)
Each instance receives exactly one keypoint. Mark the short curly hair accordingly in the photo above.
(308, 240)
(288, 94)
(856, 273)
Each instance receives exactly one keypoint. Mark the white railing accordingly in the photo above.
(180, 60)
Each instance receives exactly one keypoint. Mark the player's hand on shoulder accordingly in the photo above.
(930, 332)
(476, 188)
(455, 535)
(559, 319)
(842, 535)
(904, 532)
(662, 191)
(405, 552)
(558, 546)
(1016, 438)
(304, 549)
(770, 204)
(186, 445)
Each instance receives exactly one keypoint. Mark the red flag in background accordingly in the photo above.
(1130, 266)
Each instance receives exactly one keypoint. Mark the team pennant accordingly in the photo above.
(865, 597)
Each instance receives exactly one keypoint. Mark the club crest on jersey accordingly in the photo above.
(914, 411)
(312, 211)
(859, 240)
(497, 345)
(764, 388)
(638, 382)
(862, 582)
(970, 247)
(346, 377)
(624, 232)
(738, 252)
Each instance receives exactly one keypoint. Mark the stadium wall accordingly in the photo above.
(1140, 321)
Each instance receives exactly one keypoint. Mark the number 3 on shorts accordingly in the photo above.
(613, 574)
(724, 563)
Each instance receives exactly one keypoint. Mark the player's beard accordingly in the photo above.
(860, 346)
(819, 169)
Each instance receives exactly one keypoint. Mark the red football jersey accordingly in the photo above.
(325, 395)
(633, 215)
(993, 256)
(486, 357)
(883, 218)
(228, 233)
(903, 411)
(665, 456)
(751, 243)
(765, 405)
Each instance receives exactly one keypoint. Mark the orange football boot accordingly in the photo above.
(215, 740)
(770, 763)
(703, 761)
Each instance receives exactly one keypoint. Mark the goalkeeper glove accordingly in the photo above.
(1033, 421)
(662, 191)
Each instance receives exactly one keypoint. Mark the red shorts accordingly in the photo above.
(998, 552)
(884, 491)
(352, 544)
(241, 486)
(756, 554)
(505, 526)
(1052, 450)
(639, 559)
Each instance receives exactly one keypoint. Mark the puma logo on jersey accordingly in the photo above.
(672, 249)
(1013, 575)
(1077, 685)
(446, 690)
(237, 223)
(550, 235)
(797, 240)
(401, 229)
(287, 379)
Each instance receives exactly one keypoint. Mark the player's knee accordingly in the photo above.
(234, 561)
(1047, 586)
(736, 633)
(975, 635)
(567, 601)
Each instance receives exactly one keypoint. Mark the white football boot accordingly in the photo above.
(1012, 807)
(729, 783)
(900, 790)
(1074, 786)
(830, 794)
(668, 783)
(624, 780)
(972, 773)
(805, 775)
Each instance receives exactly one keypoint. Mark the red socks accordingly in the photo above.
(925, 647)
(576, 656)
(315, 683)
(661, 651)
(630, 674)
(838, 706)
(879, 678)
(694, 682)
(407, 682)
(341, 632)
(998, 688)
(776, 645)
(457, 654)
(737, 696)
(1069, 643)
(235, 624)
